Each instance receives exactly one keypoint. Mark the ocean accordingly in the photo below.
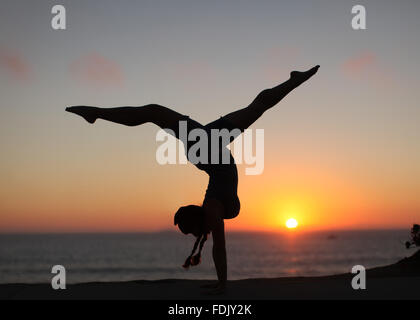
(152, 256)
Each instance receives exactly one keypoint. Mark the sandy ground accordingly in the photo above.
(398, 281)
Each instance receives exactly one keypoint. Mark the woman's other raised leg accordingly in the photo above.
(130, 116)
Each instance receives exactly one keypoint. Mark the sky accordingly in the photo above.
(341, 152)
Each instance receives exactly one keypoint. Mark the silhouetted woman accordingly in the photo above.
(221, 200)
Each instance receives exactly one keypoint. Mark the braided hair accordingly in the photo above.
(193, 260)
(188, 218)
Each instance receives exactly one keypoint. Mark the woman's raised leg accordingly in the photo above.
(130, 116)
(267, 99)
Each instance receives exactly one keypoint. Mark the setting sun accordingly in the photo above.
(291, 223)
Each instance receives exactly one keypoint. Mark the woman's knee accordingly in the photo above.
(265, 96)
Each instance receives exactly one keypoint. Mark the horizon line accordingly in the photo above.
(282, 231)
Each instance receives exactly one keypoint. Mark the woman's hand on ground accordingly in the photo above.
(210, 285)
(216, 288)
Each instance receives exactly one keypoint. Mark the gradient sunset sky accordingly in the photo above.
(341, 152)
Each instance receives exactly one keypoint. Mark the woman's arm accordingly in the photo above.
(219, 252)
(215, 224)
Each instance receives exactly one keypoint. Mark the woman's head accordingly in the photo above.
(190, 219)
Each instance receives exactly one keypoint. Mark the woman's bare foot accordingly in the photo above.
(299, 77)
(88, 113)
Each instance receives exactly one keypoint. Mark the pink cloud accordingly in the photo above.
(359, 64)
(367, 65)
(14, 64)
(97, 70)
